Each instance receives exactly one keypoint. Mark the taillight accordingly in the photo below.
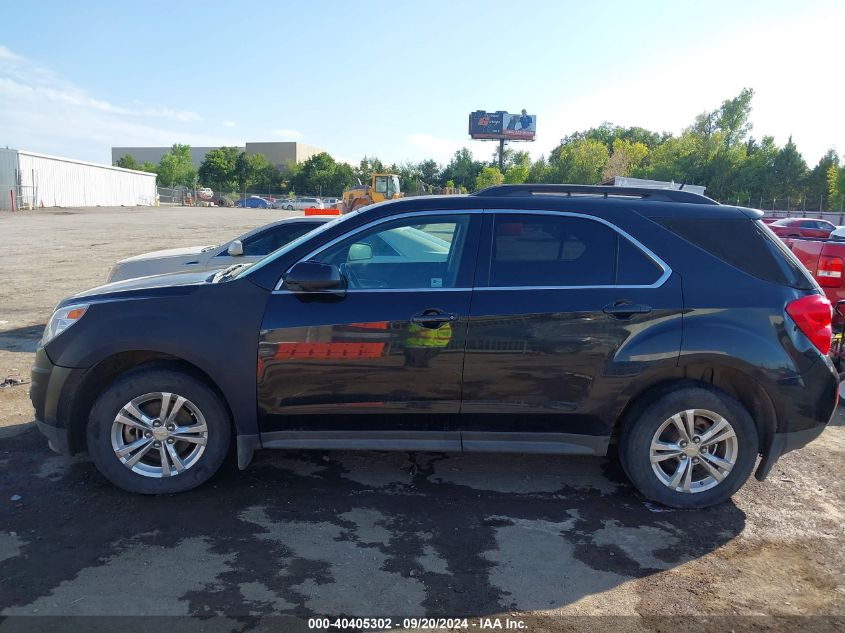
(812, 315)
(829, 271)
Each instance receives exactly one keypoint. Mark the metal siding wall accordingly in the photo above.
(8, 169)
(67, 183)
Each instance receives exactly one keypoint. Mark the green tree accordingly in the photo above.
(815, 184)
(127, 161)
(218, 169)
(322, 175)
(836, 186)
(539, 171)
(732, 118)
(148, 166)
(627, 156)
(177, 168)
(462, 169)
(516, 174)
(262, 175)
(580, 161)
(430, 172)
(488, 177)
(789, 171)
(367, 167)
(242, 171)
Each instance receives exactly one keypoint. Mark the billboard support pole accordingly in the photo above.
(502, 155)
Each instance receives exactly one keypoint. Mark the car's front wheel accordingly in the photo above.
(156, 431)
(690, 448)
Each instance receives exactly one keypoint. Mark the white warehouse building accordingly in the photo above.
(35, 180)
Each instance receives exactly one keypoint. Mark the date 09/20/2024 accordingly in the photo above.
(485, 623)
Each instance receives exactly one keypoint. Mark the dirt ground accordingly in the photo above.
(537, 540)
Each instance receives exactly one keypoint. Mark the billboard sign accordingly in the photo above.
(502, 125)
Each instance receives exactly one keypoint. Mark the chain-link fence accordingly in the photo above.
(183, 196)
(792, 205)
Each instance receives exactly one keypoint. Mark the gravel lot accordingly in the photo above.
(536, 539)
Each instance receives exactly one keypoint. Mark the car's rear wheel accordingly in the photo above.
(690, 448)
(155, 431)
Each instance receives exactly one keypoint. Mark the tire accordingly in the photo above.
(289, 208)
(662, 419)
(145, 390)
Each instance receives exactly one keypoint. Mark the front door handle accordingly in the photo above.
(625, 309)
(433, 318)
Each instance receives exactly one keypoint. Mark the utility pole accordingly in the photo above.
(502, 155)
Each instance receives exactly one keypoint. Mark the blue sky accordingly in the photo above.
(398, 79)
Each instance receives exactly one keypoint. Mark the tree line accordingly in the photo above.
(717, 150)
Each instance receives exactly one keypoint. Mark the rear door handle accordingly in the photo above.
(433, 318)
(625, 309)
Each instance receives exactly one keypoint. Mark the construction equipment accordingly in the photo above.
(381, 187)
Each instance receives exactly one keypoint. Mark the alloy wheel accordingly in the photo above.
(693, 450)
(159, 434)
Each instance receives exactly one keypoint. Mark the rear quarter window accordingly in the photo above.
(746, 244)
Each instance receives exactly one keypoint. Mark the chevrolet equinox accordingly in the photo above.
(552, 319)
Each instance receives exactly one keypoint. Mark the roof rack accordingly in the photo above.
(652, 195)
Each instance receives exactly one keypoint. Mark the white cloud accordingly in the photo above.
(228, 123)
(286, 133)
(6, 54)
(43, 112)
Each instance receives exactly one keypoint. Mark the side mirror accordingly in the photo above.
(236, 248)
(314, 277)
(359, 252)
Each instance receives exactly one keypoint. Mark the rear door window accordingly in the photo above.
(530, 250)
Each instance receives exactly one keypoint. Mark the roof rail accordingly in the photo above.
(652, 195)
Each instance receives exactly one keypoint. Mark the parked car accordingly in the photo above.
(825, 260)
(802, 227)
(249, 247)
(298, 204)
(205, 193)
(541, 318)
(253, 202)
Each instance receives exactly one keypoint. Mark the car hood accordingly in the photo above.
(145, 286)
(168, 252)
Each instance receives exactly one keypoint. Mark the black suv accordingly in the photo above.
(542, 319)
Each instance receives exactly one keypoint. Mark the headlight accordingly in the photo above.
(62, 319)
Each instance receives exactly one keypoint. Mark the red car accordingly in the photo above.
(802, 227)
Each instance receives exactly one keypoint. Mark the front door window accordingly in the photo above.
(412, 253)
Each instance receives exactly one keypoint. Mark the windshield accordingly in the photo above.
(294, 244)
(393, 185)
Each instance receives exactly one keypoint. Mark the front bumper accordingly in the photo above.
(50, 392)
(57, 439)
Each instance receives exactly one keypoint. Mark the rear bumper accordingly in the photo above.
(783, 443)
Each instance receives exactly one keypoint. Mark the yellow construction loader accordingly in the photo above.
(382, 187)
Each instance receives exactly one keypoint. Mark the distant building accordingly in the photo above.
(622, 181)
(278, 153)
(31, 180)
